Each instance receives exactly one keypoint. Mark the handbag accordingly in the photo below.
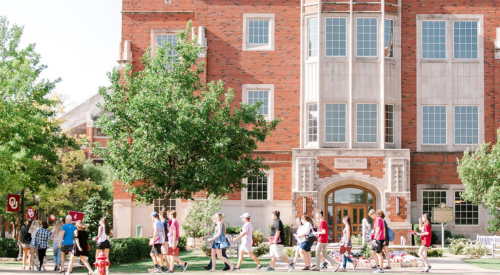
(224, 244)
(344, 249)
(271, 239)
(173, 252)
(311, 238)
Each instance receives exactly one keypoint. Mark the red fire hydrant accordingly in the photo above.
(102, 263)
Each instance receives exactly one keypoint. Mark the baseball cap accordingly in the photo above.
(69, 218)
(154, 213)
(246, 215)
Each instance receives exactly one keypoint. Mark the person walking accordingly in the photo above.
(35, 225)
(42, 237)
(158, 239)
(103, 244)
(276, 241)
(81, 247)
(425, 235)
(219, 238)
(378, 241)
(173, 240)
(246, 242)
(322, 236)
(381, 214)
(56, 240)
(305, 246)
(164, 248)
(346, 242)
(67, 240)
(226, 266)
(24, 239)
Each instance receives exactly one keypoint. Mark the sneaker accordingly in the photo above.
(153, 270)
(168, 271)
(228, 268)
(185, 267)
(336, 267)
(270, 269)
(236, 268)
(324, 265)
(306, 268)
(378, 271)
(55, 268)
(291, 267)
(312, 266)
(177, 266)
(257, 268)
(158, 270)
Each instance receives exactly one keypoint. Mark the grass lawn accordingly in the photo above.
(493, 264)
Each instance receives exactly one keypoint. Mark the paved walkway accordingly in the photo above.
(446, 265)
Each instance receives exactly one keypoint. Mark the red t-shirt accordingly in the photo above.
(173, 226)
(323, 238)
(379, 223)
(426, 240)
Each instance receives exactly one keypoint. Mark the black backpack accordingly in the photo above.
(26, 236)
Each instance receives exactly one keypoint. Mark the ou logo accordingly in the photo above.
(14, 204)
(31, 213)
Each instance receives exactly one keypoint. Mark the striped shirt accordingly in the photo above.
(42, 237)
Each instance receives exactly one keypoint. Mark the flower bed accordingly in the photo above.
(399, 259)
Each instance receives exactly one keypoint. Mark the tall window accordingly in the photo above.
(389, 37)
(432, 199)
(389, 123)
(158, 205)
(260, 96)
(433, 39)
(434, 125)
(258, 31)
(465, 39)
(336, 36)
(313, 36)
(366, 123)
(313, 123)
(335, 120)
(466, 125)
(466, 213)
(162, 39)
(257, 188)
(366, 44)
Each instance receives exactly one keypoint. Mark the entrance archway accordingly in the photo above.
(352, 201)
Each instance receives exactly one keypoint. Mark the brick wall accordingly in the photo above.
(403, 211)
(375, 167)
(299, 203)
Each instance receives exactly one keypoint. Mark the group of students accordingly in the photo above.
(306, 236)
(68, 238)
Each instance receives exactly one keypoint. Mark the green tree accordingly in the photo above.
(479, 171)
(199, 218)
(95, 209)
(176, 135)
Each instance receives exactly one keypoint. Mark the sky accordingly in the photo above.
(77, 40)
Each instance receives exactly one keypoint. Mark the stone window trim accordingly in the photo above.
(155, 32)
(258, 16)
(262, 87)
(478, 212)
(449, 36)
(270, 190)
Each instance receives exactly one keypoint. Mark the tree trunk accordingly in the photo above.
(166, 200)
(3, 221)
(22, 207)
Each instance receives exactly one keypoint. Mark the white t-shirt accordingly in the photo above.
(247, 239)
(304, 229)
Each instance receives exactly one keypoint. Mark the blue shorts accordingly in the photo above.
(216, 245)
(306, 246)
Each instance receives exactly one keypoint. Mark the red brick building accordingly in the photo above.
(378, 100)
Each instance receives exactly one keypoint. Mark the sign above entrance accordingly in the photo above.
(351, 163)
(442, 214)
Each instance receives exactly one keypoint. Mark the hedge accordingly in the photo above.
(8, 248)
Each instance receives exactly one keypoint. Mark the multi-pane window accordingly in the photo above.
(434, 125)
(389, 123)
(431, 199)
(466, 213)
(366, 123)
(433, 39)
(366, 43)
(158, 205)
(335, 123)
(258, 31)
(465, 39)
(466, 125)
(313, 36)
(336, 36)
(312, 123)
(260, 96)
(162, 39)
(257, 188)
(389, 37)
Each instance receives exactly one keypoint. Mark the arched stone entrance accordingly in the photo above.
(348, 200)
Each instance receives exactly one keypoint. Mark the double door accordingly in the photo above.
(356, 213)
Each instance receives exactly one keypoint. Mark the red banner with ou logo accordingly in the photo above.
(30, 214)
(13, 203)
(52, 217)
(76, 216)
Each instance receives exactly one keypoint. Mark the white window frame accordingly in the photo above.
(455, 127)
(454, 212)
(377, 120)
(270, 189)
(376, 41)
(422, 39)
(159, 207)
(258, 47)
(346, 38)
(477, 39)
(308, 126)
(155, 33)
(385, 123)
(345, 120)
(309, 49)
(446, 124)
(392, 28)
(434, 190)
(261, 87)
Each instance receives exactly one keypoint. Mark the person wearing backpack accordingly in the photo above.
(389, 236)
(24, 239)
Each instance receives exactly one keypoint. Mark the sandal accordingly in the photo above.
(336, 267)
(354, 265)
(387, 267)
(232, 268)
(211, 270)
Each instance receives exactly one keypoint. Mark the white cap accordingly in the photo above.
(69, 218)
(246, 215)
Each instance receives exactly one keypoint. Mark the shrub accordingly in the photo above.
(457, 246)
(205, 250)
(8, 248)
(365, 251)
(286, 229)
(182, 243)
(357, 239)
(459, 236)
(233, 230)
(435, 238)
(125, 250)
(447, 236)
(261, 249)
(434, 253)
(416, 239)
(258, 237)
(289, 252)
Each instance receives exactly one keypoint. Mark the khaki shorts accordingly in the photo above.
(164, 249)
(245, 248)
(276, 250)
